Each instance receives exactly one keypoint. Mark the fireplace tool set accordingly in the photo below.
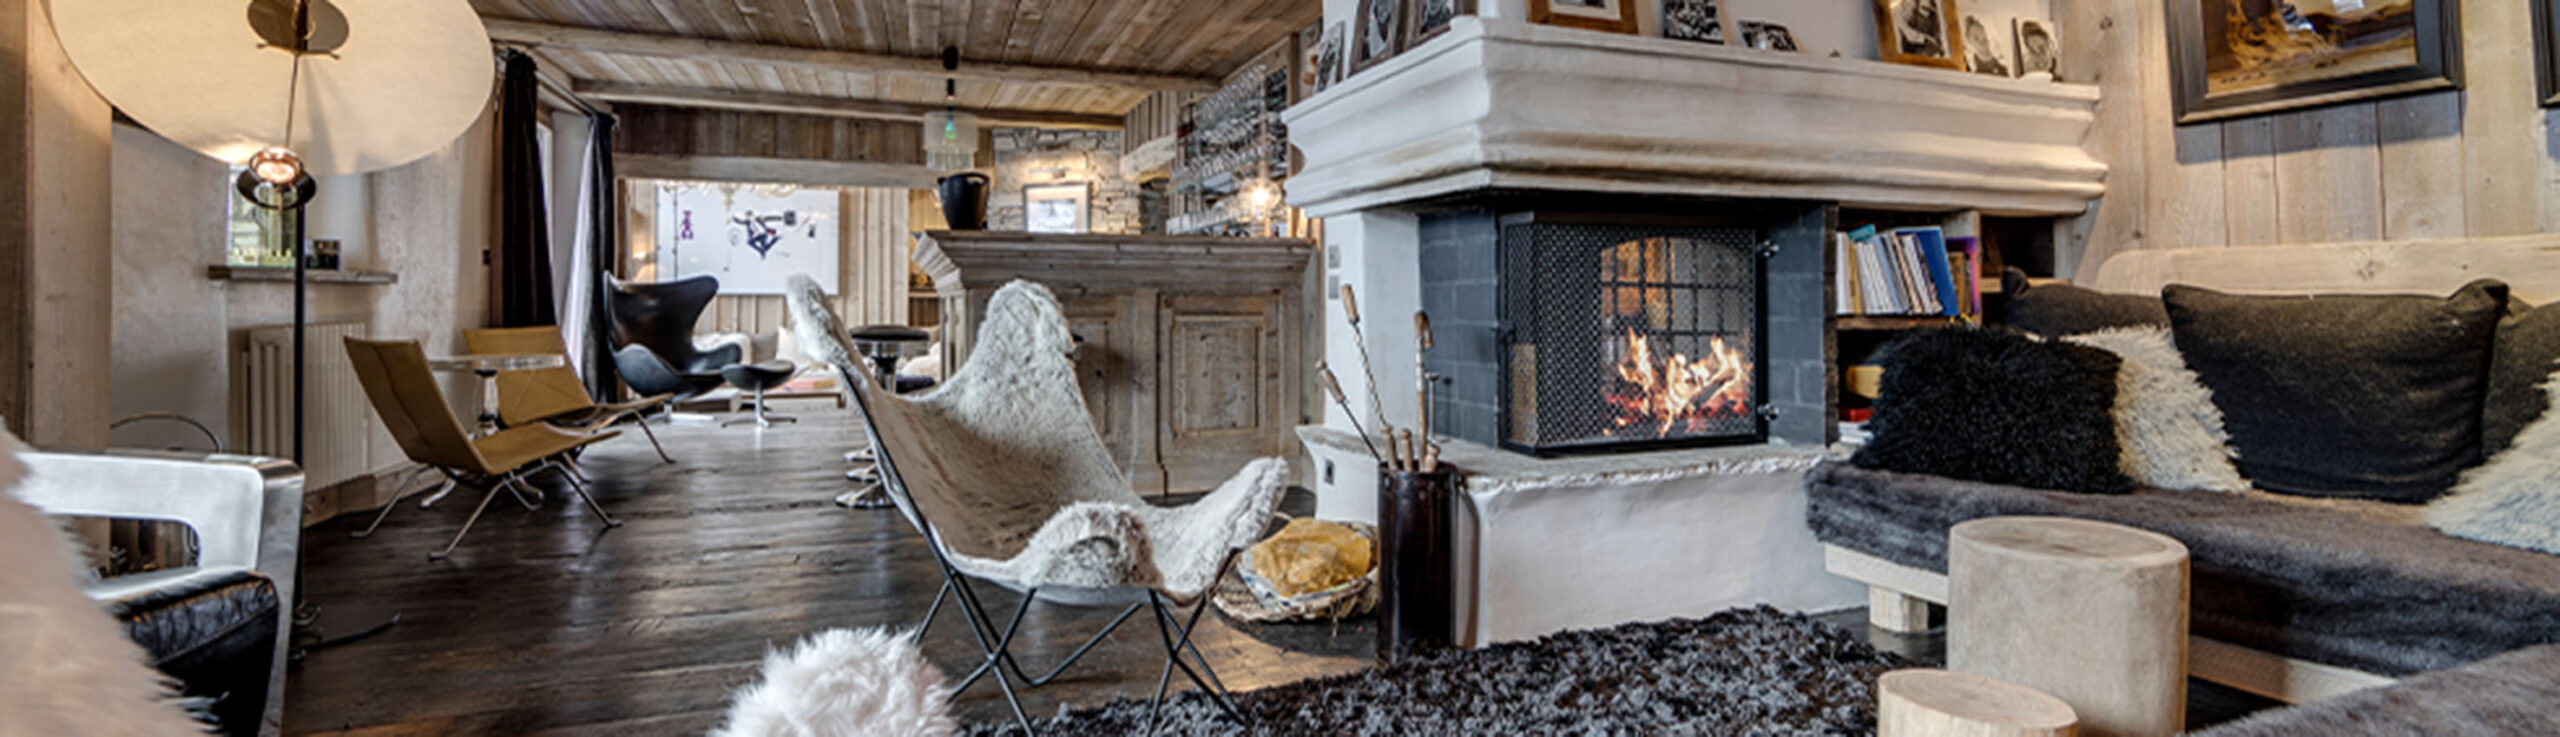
(1416, 493)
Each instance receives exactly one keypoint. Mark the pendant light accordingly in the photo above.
(950, 136)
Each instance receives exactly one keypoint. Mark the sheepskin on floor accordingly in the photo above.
(869, 682)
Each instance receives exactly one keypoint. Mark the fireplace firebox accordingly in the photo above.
(1619, 334)
(1602, 331)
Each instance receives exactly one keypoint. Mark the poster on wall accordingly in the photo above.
(752, 238)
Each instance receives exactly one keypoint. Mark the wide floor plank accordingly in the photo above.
(546, 622)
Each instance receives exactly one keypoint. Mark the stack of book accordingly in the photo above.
(1907, 271)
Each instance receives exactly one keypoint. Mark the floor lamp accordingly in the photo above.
(290, 89)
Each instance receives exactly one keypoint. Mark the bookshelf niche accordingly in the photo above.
(2023, 242)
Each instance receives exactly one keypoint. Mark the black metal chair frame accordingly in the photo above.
(997, 644)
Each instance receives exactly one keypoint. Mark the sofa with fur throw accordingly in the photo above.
(2353, 441)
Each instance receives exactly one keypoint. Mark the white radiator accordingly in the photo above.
(338, 420)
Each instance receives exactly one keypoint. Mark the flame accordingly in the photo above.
(1680, 395)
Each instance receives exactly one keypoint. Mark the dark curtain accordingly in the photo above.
(604, 244)
(524, 227)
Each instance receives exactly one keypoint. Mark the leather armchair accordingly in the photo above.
(653, 329)
(221, 626)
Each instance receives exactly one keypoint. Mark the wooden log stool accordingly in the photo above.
(1937, 703)
(2090, 612)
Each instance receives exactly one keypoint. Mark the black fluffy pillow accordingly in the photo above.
(2000, 407)
(2365, 396)
(2527, 352)
(2056, 310)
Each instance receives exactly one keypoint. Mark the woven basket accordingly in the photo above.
(1356, 597)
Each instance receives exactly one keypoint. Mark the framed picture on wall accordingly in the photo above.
(1919, 33)
(2546, 50)
(2037, 49)
(2230, 58)
(1425, 19)
(1692, 20)
(1065, 207)
(752, 237)
(1329, 64)
(1614, 16)
(1378, 33)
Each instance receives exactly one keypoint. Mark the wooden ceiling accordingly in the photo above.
(1049, 62)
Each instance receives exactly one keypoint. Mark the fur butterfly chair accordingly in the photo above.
(1002, 471)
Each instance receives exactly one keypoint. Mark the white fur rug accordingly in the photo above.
(65, 667)
(866, 683)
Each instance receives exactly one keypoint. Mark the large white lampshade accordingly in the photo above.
(388, 82)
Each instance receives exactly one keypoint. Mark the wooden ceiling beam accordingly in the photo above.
(599, 40)
(784, 102)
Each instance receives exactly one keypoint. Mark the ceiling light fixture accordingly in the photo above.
(950, 136)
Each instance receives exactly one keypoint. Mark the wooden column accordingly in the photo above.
(55, 273)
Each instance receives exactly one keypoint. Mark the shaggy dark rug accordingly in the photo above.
(1742, 672)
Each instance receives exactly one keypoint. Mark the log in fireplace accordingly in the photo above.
(1597, 331)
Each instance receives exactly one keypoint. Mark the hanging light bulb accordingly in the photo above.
(950, 136)
(276, 165)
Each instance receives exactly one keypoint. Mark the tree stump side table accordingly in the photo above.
(2092, 613)
(1937, 703)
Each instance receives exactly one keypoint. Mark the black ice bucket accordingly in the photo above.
(964, 200)
(1416, 580)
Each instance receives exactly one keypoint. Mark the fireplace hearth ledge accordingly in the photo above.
(1549, 544)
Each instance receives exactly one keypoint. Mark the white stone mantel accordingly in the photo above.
(1504, 104)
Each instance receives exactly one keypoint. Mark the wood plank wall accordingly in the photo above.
(872, 269)
(649, 129)
(2469, 163)
(1158, 116)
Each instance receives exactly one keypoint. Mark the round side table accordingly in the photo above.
(2090, 612)
(1937, 703)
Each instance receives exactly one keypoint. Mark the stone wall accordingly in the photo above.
(1035, 156)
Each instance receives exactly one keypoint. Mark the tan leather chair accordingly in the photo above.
(412, 405)
(555, 395)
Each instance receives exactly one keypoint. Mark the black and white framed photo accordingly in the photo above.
(1766, 36)
(1919, 32)
(1379, 33)
(1064, 207)
(1614, 16)
(1310, 62)
(2038, 51)
(2546, 50)
(1987, 47)
(1329, 66)
(2229, 59)
(1424, 19)
(1692, 20)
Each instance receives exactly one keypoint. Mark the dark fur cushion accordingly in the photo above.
(2056, 310)
(2366, 396)
(2000, 407)
(2528, 350)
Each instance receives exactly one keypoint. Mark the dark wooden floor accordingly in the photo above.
(546, 622)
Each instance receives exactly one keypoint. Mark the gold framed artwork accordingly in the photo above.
(1919, 33)
(1614, 16)
(2229, 58)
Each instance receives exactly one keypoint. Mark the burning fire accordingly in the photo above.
(1681, 395)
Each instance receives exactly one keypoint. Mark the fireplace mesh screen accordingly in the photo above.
(1630, 335)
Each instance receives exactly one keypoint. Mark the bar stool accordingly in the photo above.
(884, 345)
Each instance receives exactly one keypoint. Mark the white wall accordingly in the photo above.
(174, 329)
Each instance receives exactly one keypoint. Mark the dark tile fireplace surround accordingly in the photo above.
(1572, 325)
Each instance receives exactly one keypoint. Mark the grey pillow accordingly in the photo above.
(2527, 348)
(2061, 309)
(2171, 433)
(2365, 396)
(2514, 499)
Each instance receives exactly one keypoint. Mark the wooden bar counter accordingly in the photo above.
(1193, 350)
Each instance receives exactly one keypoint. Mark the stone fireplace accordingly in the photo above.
(1624, 245)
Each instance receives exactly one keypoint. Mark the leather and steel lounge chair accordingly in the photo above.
(555, 395)
(412, 405)
(653, 331)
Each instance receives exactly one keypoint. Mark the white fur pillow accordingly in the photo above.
(2170, 432)
(2514, 499)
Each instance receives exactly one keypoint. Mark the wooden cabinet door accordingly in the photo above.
(1107, 370)
(1222, 401)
